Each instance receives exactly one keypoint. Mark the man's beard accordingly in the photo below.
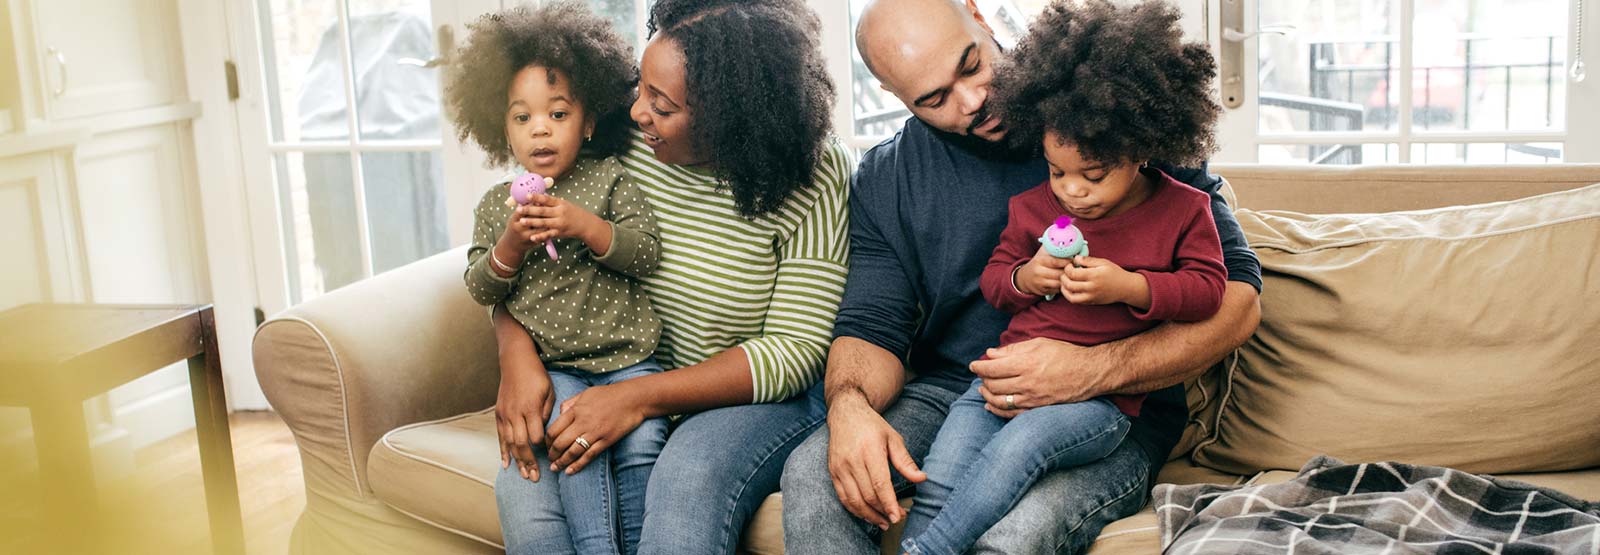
(1002, 149)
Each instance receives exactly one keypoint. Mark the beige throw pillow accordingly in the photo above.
(1466, 337)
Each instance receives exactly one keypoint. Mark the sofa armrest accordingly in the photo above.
(345, 368)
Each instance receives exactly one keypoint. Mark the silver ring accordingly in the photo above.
(582, 442)
(1011, 402)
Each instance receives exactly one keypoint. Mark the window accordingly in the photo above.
(1486, 81)
(358, 189)
(356, 192)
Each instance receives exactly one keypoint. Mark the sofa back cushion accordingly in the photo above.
(1466, 337)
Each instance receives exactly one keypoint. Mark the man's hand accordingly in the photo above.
(1100, 281)
(861, 447)
(1036, 373)
(1042, 275)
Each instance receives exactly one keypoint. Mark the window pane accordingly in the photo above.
(1490, 64)
(623, 18)
(1486, 153)
(877, 113)
(300, 56)
(405, 207)
(317, 204)
(1330, 154)
(1334, 71)
(390, 42)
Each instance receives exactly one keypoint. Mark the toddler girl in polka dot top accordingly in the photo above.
(548, 89)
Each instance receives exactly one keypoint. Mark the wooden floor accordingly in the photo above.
(160, 507)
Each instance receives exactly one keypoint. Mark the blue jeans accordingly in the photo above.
(981, 464)
(717, 469)
(1062, 513)
(599, 509)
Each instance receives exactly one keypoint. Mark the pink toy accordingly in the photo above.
(522, 191)
(1063, 240)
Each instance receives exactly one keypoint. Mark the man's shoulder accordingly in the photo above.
(885, 155)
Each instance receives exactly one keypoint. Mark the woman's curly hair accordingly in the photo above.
(758, 89)
(563, 35)
(1119, 83)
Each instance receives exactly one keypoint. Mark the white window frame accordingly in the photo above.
(1238, 131)
(1241, 138)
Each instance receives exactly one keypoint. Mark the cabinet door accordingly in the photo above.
(100, 57)
(37, 254)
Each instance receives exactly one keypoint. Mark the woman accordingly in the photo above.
(733, 113)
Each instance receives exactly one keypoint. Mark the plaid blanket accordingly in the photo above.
(1332, 507)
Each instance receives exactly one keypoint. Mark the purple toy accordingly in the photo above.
(1063, 240)
(522, 191)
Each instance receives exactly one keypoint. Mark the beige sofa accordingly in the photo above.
(386, 384)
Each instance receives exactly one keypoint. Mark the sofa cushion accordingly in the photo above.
(1461, 337)
(442, 472)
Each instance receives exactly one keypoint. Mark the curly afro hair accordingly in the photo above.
(1119, 83)
(562, 35)
(758, 89)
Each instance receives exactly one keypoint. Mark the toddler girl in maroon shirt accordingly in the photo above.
(1104, 90)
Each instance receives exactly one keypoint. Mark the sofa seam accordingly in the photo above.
(385, 441)
(344, 398)
(1109, 535)
(1284, 247)
(449, 529)
(1225, 398)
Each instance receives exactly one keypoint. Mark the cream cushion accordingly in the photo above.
(1466, 337)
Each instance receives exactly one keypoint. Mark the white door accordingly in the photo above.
(338, 195)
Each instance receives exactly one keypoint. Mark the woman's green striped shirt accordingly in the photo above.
(771, 285)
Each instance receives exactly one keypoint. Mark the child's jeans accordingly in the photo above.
(604, 502)
(981, 464)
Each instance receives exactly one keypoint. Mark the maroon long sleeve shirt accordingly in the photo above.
(1170, 239)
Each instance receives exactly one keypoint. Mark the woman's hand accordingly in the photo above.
(601, 415)
(525, 400)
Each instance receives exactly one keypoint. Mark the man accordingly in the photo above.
(927, 207)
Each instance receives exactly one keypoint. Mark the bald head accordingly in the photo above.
(892, 21)
(936, 56)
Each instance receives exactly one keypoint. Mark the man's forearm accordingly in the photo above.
(859, 368)
(1176, 351)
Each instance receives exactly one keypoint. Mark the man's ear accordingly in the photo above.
(977, 15)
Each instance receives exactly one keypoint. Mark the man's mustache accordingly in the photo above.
(978, 118)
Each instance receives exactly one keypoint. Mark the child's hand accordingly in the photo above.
(556, 217)
(526, 397)
(518, 237)
(1041, 275)
(1101, 281)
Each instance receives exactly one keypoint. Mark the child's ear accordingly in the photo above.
(588, 128)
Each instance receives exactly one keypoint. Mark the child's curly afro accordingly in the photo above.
(563, 35)
(1119, 83)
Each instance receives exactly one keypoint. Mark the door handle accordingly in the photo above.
(61, 60)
